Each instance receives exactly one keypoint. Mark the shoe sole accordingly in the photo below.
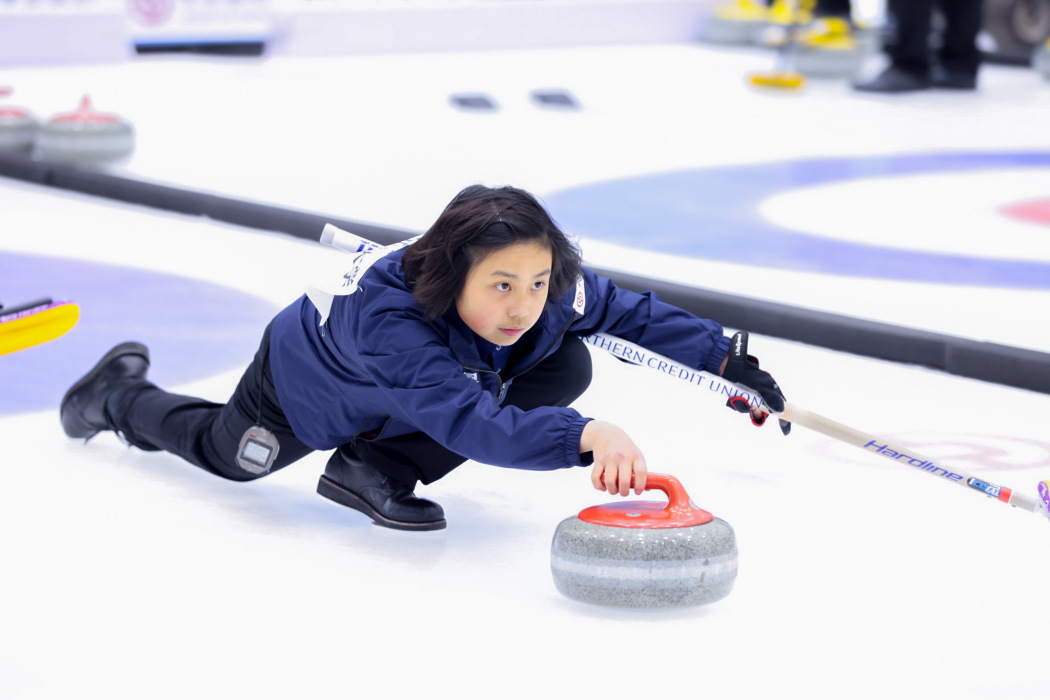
(334, 492)
(119, 351)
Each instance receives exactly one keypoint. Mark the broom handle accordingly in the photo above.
(634, 354)
(908, 457)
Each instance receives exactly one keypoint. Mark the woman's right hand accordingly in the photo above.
(617, 460)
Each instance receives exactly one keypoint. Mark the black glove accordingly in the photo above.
(742, 369)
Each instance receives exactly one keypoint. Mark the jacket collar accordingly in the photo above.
(462, 342)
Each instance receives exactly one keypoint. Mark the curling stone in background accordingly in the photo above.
(735, 22)
(85, 136)
(18, 127)
(829, 49)
(645, 554)
(1041, 59)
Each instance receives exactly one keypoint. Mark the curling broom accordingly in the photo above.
(905, 456)
(784, 76)
(35, 322)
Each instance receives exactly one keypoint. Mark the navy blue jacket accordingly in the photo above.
(377, 368)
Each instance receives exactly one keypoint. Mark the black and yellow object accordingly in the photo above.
(34, 323)
(793, 14)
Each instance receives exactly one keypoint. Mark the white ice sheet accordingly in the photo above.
(128, 574)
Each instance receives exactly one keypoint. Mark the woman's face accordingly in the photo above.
(504, 294)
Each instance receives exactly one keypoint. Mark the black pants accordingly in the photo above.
(909, 50)
(834, 8)
(208, 434)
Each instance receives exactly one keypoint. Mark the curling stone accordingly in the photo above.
(85, 136)
(734, 22)
(645, 554)
(1041, 59)
(17, 127)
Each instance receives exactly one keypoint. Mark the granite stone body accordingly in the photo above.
(18, 129)
(85, 136)
(732, 31)
(829, 63)
(1041, 60)
(644, 568)
(95, 143)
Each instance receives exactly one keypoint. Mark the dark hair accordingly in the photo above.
(478, 221)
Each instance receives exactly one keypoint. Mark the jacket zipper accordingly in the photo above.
(503, 383)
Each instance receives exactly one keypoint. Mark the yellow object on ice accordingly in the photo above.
(741, 11)
(784, 80)
(828, 34)
(790, 12)
(37, 327)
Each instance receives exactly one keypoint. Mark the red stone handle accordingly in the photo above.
(678, 512)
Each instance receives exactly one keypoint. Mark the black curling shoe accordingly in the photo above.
(952, 79)
(895, 80)
(83, 408)
(387, 501)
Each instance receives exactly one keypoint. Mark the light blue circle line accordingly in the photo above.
(713, 214)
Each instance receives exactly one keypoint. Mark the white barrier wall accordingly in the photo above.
(62, 31)
(82, 31)
(329, 27)
(158, 23)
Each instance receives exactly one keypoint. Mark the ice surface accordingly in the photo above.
(130, 574)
